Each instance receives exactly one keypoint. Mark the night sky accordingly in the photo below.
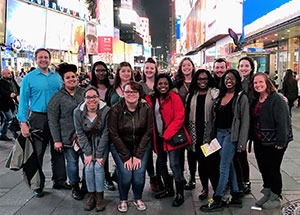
(158, 14)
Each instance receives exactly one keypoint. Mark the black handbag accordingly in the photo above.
(179, 138)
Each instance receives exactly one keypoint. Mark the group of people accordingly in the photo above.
(132, 119)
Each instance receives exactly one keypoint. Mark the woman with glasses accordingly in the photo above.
(130, 128)
(198, 111)
(231, 121)
(90, 119)
(100, 80)
(168, 117)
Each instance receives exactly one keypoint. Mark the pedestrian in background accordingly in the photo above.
(271, 131)
(183, 79)
(290, 88)
(90, 119)
(168, 117)
(198, 112)
(37, 88)
(60, 115)
(130, 128)
(232, 126)
(9, 94)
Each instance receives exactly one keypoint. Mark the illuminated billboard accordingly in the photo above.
(105, 16)
(91, 39)
(270, 14)
(2, 21)
(25, 29)
(58, 36)
(77, 36)
(221, 15)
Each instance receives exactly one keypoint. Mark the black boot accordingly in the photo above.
(236, 200)
(83, 189)
(154, 183)
(76, 194)
(215, 205)
(191, 184)
(179, 198)
(160, 183)
(168, 191)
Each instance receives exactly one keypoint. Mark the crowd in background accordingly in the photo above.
(132, 114)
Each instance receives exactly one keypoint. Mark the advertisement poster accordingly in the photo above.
(105, 16)
(77, 36)
(2, 21)
(105, 45)
(91, 40)
(58, 36)
(271, 13)
(25, 26)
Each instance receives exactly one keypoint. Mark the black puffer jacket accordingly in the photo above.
(130, 130)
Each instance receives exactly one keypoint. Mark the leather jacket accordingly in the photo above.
(130, 130)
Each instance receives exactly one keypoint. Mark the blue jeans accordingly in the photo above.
(7, 121)
(94, 177)
(227, 153)
(128, 177)
(72, 166)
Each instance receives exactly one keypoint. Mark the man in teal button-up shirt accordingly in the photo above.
(37, 88)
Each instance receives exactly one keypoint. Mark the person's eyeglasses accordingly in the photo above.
(202, 79)
(91, 97)
(131, 92)
(101, 70)
(229, 78)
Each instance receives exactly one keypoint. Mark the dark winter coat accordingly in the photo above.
(130, 130)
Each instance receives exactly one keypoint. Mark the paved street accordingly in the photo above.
(16, 198)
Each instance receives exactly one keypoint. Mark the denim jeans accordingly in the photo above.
(227, 153)
(128, 177)
(94, 176)
(7, 121)
(174, 159)
(72, 165)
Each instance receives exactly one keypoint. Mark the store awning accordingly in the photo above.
(207, 44)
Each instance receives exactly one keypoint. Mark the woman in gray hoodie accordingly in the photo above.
(93, 139)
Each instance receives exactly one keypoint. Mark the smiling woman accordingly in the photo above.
(130, 127)
(61, 123)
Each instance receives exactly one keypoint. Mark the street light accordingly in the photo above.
(156, 47)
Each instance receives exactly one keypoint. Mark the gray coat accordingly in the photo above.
(95, 145)
(60, 114)
(240, 123)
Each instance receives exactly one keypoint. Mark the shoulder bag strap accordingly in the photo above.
(95, 124)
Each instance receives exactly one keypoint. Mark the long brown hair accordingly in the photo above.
(270, 86)
(117, 80)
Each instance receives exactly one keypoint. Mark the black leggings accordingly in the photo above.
(208, 167)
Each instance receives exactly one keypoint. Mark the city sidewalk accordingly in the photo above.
(16, 198)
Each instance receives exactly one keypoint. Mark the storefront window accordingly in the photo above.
(294, 54)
